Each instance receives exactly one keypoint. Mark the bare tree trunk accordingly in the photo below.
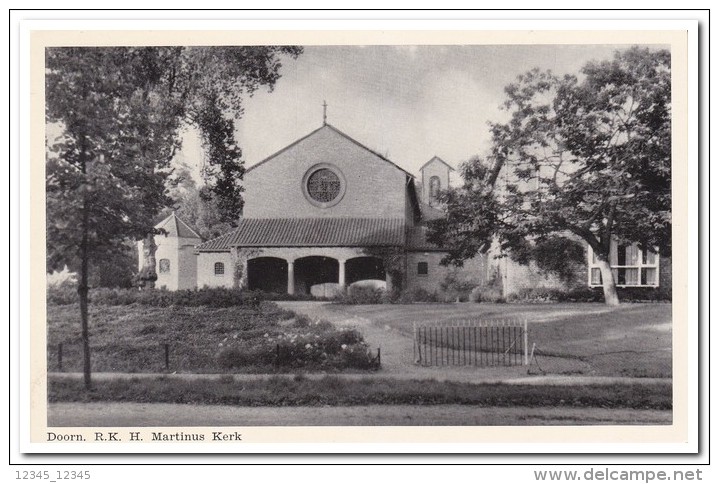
(148, 274)
(82, 291)
(608, 284)
(83, 288)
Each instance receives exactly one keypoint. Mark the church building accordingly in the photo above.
(327, 212)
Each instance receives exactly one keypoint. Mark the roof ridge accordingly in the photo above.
(163, 221)
(341, 133)
(369, 149)
(276, 153)
(435, 157)
(218, 237)
(179, 221)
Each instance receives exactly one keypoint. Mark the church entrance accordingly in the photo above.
(267, 274)
(313, 270)
(364, 268)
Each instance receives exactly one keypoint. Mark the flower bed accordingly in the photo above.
(138, 338)
(305, 344)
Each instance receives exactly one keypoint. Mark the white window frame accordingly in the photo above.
(640, 265)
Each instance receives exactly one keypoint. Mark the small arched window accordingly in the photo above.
(434, 188)
(219, 269)
(164, 266)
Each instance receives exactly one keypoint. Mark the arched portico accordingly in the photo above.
(363, 268)
(297, 269)
(267, 274)
(315, 269)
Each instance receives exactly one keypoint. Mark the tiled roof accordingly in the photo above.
(311, 232)
(175, 227)
(431, 213)
(417, 239)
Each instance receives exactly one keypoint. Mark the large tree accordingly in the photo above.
(114, 117)
(586, 155)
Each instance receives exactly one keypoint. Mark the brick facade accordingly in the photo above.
(474, 271)
(374, 187)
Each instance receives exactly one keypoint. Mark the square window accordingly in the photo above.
(649, 277)
(631, 266)
(631, 277)
(164, 266)
(219, 269)
(632, 255)
(422, 268)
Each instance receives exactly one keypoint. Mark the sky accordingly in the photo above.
(408, 103)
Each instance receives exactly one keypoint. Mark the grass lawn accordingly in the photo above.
(588, 338)
(239, 339)
(333, 390)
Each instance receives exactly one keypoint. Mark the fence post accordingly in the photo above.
(526, 344)
(167, 356)
(379, 357)
(59, 356)
(414, 342)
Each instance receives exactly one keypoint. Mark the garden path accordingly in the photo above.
(397, 347)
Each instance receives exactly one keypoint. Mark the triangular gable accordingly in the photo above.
(337, 131)
(176, 227)
(437, 158)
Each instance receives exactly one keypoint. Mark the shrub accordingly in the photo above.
(62, 294)
(302, 321)
(359, 357)
(642, 294)
(486, 294)
(243, 355)
(211, 297)
(581, 294)
(416, 294)
(590, 294)
(307, 344)
(361, 295)
(536, 294)
(318, 325)
(456, 288)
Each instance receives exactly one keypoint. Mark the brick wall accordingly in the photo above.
(474, 270)
(374, 187)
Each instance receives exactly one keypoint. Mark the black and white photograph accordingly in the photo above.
(406, 233)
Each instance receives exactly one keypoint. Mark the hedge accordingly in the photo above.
(214, 297)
